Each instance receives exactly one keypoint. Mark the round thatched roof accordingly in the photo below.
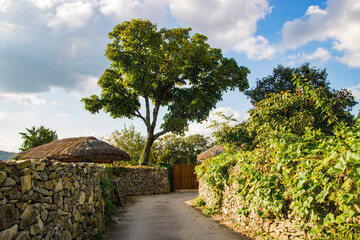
(78, 149)
(211, 152)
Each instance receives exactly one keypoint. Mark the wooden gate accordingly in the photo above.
(184, 177)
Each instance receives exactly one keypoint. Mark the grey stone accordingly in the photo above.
(9, 233)
(36, 228)
(2, 176)
(28, 217)
(82, 198)
(8, 215)
(20, 164)
(9, 182)
(25, 171)
(42, 190)
(23, 235)
(43, 176)
(26, 183)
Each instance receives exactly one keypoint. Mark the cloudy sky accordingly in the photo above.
(52, 52)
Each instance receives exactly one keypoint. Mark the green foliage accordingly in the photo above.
(129, 140)
(165, 68)
(172, 149)
(37, 136)
(230, 135)
(281, 81)
(313, 176)
(307, 107)
(199, 202)
(107, 190)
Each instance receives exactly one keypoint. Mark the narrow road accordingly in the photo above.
(166, 217)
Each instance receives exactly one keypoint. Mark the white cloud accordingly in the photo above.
(154, 10)
(228, 24)
(355, 91)
(203, 127)
(2, 115)
(339, 22)
(256, 48)
(72, 14)
(315, 10)
(22, 98)
(45, 4)
(320, 53)
(4, 5)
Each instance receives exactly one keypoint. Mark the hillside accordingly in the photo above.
(6, 155)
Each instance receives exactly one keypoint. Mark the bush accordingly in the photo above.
(313, 176)
(199, 202)
(107, 190)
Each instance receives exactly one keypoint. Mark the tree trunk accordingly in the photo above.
(144, 159)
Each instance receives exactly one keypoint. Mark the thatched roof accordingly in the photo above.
(78, 149)
(211, 152)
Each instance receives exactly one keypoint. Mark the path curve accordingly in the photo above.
(166, 217)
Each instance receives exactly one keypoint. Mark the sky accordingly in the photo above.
(52, 53)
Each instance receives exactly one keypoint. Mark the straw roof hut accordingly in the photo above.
(77, 149)
(211, 152)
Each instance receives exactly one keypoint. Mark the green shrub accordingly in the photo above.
(314, 176)
(107, 190)
(199, 202)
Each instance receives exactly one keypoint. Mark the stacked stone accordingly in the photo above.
(42, 199)
(283, 229)
(141, 180)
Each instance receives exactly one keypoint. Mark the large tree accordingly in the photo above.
(36, 136)
(162, 68)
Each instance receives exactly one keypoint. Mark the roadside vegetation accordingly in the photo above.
(298, 154)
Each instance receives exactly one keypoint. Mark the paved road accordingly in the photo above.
(166, 217)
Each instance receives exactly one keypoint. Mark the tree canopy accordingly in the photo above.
(172, 149)
(281, 81)
(163, 68)
(37, 136)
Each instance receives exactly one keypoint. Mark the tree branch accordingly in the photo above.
(138, 114)
(168, 128)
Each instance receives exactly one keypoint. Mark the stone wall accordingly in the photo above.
(42, 199)
(140, 180)
(282, 229)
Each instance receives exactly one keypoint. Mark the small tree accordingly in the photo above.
(129, 140)
(37, 136)
(172, 149)
(163, 68)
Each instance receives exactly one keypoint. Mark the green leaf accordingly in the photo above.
(321, 196)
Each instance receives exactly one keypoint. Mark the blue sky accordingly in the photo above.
(52, 52)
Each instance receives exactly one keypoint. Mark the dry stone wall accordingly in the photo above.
(283, 229)
(43, 199)
(141, 180)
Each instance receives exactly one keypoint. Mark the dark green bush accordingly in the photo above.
(108, 195)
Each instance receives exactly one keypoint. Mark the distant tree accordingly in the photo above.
(172, 149)
(129, 140)
(37, 136)
(163, 68)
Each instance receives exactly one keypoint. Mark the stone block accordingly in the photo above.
(41, 167)
(9, 215)
(8, 182)
(36, 228)
(23, 235)
(20, 164)
(26, 183)
(82, 198)
(9, 233)
(2, 176)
